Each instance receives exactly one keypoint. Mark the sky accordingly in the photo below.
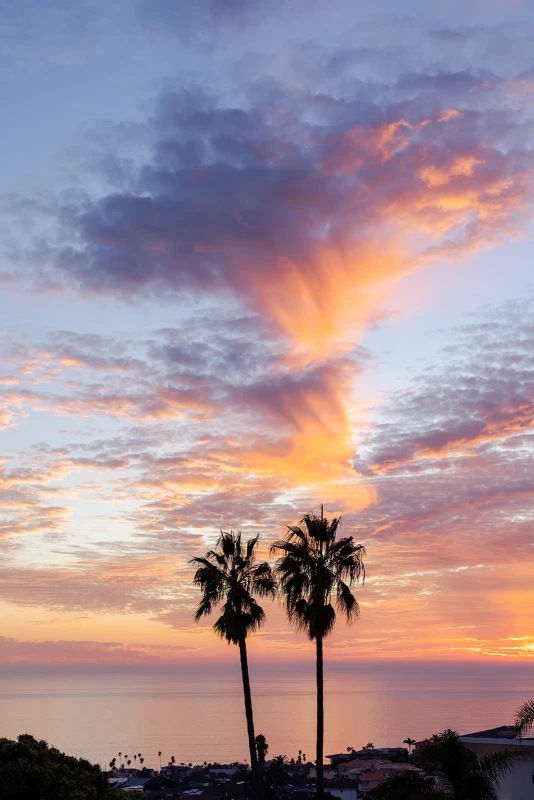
(259, 255)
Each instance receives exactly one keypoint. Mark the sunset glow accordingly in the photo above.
(270, 261)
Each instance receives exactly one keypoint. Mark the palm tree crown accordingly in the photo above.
(229, 576)
(314, 566)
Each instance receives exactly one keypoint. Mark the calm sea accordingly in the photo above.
(198, 716)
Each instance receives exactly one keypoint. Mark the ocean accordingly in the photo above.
(198, 715)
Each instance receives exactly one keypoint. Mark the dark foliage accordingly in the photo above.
(469, 777)
(31, 770)
(407, 785)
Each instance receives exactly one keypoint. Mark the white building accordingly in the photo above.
(518, 784)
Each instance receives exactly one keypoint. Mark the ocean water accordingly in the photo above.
(198, 715)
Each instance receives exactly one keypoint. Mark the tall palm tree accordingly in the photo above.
(524, 717)
(313, 567)
(159, 754)
(410, 743)
(229, 577)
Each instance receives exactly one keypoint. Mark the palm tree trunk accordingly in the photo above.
(250, 720)
(320, 718)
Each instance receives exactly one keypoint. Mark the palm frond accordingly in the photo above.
(347, 602)
(496, 765)
(524, 718)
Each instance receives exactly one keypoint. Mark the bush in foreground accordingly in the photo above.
(407, 784)
(31, 770)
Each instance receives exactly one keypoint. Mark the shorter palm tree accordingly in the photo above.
(524, 718)
(230, 578)
(369, 746)
(262, 749)
(410, 743)
(279, 769)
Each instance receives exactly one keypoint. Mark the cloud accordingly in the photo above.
(199, 21)
(304, 206)
(484, 403)
(15, 652)
(97, 582)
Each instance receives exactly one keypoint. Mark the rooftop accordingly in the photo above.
(504, 732)
(372, 776)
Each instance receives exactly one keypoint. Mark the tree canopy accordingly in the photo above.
(407, 784)
(469, 777)
(31, 770)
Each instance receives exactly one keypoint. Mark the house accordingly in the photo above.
(327, 773)
(357, 764)
(338, 758)
(342, 789)
(370, 780)
(518, 784)
(128, 783)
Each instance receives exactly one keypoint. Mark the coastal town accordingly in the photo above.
(350, 775)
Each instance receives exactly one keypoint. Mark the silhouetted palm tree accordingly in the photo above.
(315, 566)
(279, 769)
(159, 754)
(229, 577)
(470, 778)
(262, 748)
(369, 746)
(410, 743)
(524, 717)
